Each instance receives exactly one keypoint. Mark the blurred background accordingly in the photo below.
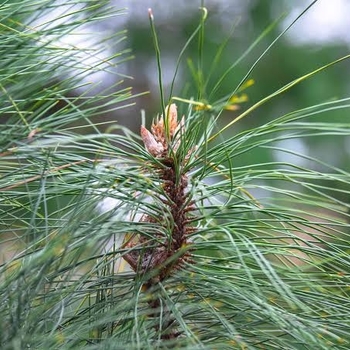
(320, 36)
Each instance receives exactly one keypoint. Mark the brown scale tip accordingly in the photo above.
(165, 133)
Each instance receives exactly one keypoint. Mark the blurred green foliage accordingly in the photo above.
(284, 62)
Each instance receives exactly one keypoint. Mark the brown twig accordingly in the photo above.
(168, 253)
